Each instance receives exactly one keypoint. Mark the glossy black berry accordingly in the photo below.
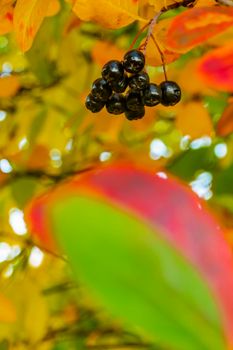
(120, 85)
(116, 104)
(101, 89)
(93, 105)
(134, 115)
(152, 95)
(139, 81)
(134, 61)
(134, 100)
(171, 93)
(113, 70)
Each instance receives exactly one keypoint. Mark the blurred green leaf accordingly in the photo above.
(4, 345)
(188, 163)
(226, 201)
(37, 125)
(223, 181)
(216, 105)
(137, 275)
(23, 190)
(172, 13)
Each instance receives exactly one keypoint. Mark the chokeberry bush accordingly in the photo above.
(116, 168)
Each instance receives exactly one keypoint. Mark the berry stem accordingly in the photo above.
(161, 55)
(152, 24)
(139, 33)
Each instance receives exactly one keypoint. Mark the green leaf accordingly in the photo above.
(222, 183)
(188, 163)
(171, 13)
(138, 275)
(216, 105)
(4, 345)
(37, 125)
(23, 190)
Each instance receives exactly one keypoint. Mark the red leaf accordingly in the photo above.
(216, 68)
(162, 202)
(197, 25)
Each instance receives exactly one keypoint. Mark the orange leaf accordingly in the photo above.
(194, 120)
(225, 123)
(39, 158)
(73, 23)
(153, 57)
(8, 312)
(195, 26)
(104, 51)
(5, 3)
(195, 85)
(216, 68)
(53, 8)
(6, 19)
(28, 17)
(108, 13)
(9, 86)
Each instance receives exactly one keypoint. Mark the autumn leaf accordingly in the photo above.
(108, 13)
(5, 3)
(117, 185)
(194, 120)
(153, 57)
(53, 8)
(194, 26)
(9, 85)
(216, 68)
(8, 312)
(6, 19)
(28, 17)
(105, 51)
(225, 123)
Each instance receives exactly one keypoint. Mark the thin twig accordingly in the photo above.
(31, 243)
(161, 55)
(150, 30)
(138, 34)
(39, 174)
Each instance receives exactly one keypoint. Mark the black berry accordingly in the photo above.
(120, 85)
(134, 61)
(133, 115)
(113, 70)
(152, 95)
(116, 104)
(93, 105)
(134, 100)
(101, 89)
(171, 93)
(139, 81)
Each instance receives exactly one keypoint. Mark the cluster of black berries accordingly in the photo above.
(108, 90)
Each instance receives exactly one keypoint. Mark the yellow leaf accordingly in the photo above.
(7, 310)
(28, 17)
(9, 86)
(108, 13)
(194, 120)
(159, 4)
(53, 8)
(31, 308)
